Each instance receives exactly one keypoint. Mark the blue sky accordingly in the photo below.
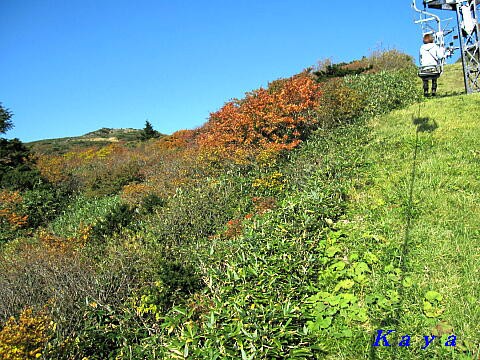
(70, 67)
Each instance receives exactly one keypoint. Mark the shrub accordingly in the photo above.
(97, 171)
(150, 202)
(106, 180)
(104, 322)
(119, 217)
(195, 213)
(17, 170)
(388, 60)
(29, 210)
(269, 184)
(176, 281)
(278, 117)
(11, 216)
(26, 337)
(80, 212)
(31, 275)
(340, 104)
(327, 70)
(386, 90)
(42, 204)
(86, 299)
(53, 168)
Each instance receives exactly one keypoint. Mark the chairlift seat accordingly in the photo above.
(430, 71)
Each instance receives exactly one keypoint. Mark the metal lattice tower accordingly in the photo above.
(468, 34)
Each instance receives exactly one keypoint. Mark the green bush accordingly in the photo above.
(38, 206)
(175, 281)
(388, 60)
(119, 217)
(150, 202)
(110, 180)
(330, 71)
(43, 203)
(82, 211)
(195, 213)
(340, 104)
(386, 91)
(17, 170)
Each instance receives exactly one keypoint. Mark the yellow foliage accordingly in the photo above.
(274, 181)
(25, 337)
(52, 168)
(56, 243)
(9, 203)
(267, 158)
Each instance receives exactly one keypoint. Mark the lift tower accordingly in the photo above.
(468, 34)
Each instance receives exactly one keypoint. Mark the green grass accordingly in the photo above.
(420, 205)
(80, 212)
(451, 82)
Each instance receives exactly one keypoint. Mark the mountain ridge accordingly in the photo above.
(100, 137)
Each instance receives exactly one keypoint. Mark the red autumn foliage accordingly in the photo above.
(277, 118)
(181, 139)
(234, 229)
(263, 204)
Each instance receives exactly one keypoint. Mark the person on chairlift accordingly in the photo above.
(431, 57)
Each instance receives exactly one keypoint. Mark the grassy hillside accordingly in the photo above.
(451, 82)
(98, 138)
(417, 209)
(420, 212)
(296, 224)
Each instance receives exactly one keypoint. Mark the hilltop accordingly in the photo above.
(98, 138)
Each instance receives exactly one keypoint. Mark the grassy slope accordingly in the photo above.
(451, 82)
(99, 138)
(421, 206)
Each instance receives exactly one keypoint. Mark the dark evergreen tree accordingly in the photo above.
(16, 167)
(148, 132)
(338, 70)
(5, 122)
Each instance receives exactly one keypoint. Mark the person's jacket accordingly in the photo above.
(431, 55)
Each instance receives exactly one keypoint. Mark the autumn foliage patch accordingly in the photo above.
(277, 118)
(25, 337)
(10, 202)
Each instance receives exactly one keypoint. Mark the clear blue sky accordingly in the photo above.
(70, 67)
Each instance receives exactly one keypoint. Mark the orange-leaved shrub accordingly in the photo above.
(53, 168)
(10, 214)
(277, 118)
(181, 139)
